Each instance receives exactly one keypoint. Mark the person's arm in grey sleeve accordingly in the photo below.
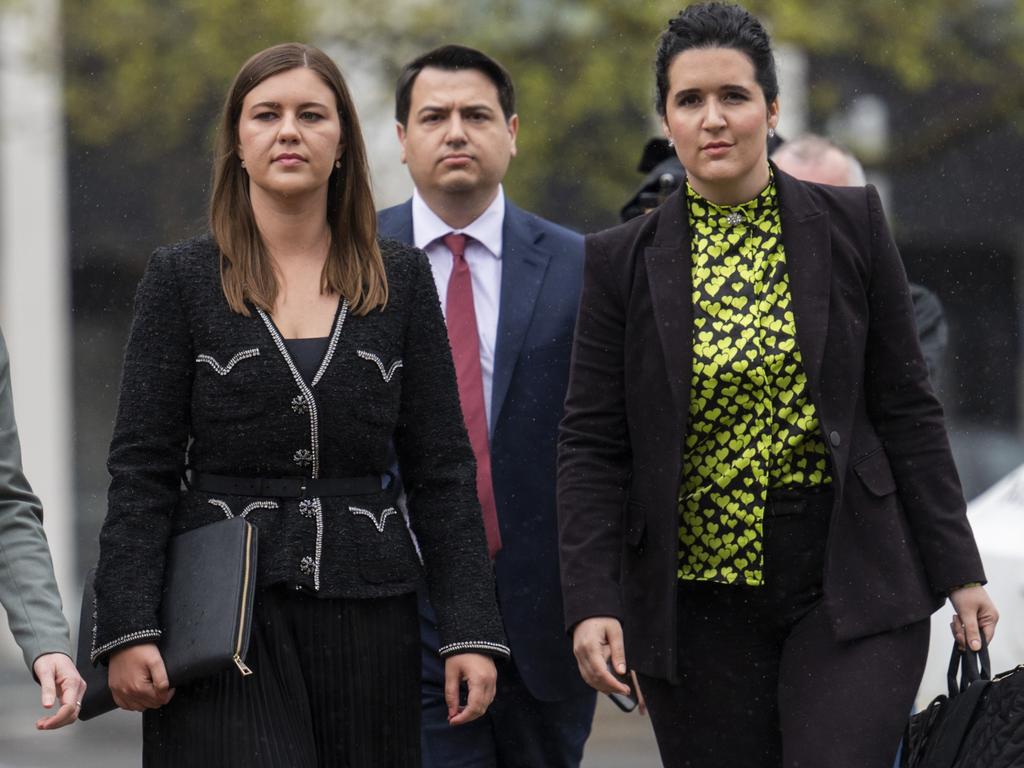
(28, 588)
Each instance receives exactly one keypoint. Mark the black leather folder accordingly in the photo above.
(205, 612)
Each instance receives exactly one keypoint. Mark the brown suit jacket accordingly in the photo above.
(899, 537)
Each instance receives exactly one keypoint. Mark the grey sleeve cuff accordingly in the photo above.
(28, 589)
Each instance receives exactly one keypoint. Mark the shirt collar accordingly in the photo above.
(754, 211)
(428, 227)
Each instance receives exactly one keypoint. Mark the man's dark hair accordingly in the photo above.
(453, 58)
(716, 25)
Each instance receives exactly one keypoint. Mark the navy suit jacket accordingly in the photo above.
(541, 278)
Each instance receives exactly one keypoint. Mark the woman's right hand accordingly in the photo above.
(975, 614)
(138, 679)
(595, 642)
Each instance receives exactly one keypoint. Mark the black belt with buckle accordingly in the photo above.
(288, 487)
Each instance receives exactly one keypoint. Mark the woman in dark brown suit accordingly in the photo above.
(757, 503)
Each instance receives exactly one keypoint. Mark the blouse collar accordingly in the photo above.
(754, 211)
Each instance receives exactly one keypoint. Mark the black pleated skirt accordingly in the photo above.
(335, 684)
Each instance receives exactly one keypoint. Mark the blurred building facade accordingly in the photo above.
(34, 279)
(951, 170)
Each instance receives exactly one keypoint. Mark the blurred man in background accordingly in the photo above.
(816, 159)
(509, 283)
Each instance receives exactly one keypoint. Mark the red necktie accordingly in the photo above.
(465, 342)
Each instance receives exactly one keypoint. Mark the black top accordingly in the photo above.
(222, 385)
(307, 354)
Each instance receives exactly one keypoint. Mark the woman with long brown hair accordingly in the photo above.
(291, 349)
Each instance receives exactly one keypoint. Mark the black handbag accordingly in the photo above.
(205, 611)
(980, 724)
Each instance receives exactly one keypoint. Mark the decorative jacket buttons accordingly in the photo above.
(307, 508)
(303, 457)
(299, 404)
(833, 437)
(306, 565)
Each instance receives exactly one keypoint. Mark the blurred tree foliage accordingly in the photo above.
(143, 70)
(955, 67)
(583, 79)
(583, 69)
(143, 82)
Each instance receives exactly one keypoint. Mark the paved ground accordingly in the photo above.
(112, 741)
(620, 740)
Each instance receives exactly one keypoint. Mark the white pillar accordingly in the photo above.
(373, 94)
(791, 68)
(34, 269)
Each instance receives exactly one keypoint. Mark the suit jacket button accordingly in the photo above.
(834, 438)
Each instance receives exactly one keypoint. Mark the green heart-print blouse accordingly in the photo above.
(752, 424)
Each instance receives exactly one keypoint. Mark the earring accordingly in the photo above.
(243, 163)
(337, 163)
(771, 133)
(671, 143)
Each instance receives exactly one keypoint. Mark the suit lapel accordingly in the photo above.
(668, 263)
(805, 236)
(523, 266)
(396, 222)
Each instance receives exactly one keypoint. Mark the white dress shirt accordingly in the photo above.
(483, 255)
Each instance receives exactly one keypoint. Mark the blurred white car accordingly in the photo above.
(997, 517)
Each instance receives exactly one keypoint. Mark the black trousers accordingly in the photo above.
(764, 684)
(518, 731)
(335, 684)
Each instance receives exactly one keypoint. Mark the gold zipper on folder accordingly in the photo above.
(237, 658)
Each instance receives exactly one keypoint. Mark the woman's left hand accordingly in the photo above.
(975, 613)
(481, 678)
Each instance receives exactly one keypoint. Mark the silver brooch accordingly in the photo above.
(735, 219)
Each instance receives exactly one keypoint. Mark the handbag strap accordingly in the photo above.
(972, 666)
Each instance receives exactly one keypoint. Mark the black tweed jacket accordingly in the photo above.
(203, 382)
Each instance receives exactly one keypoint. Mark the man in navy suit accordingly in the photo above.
(457, 127)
